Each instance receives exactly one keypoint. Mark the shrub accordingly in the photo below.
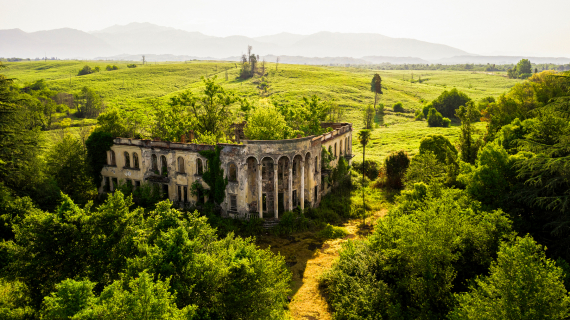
(398, 107)
(111, 68)
(435, 119)
(372, 168)
(332, 232)
(419, 115)
(131, 65)
(439, 146)
(396, 165)
(380, 108)
(85, 70)
(449, 101)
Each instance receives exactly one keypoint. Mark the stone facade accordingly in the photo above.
(259, 172)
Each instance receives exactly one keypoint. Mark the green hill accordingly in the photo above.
(349, 87)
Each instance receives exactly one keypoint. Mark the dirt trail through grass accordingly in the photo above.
(308, 257)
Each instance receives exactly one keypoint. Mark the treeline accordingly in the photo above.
(461, 67)
(480, 229)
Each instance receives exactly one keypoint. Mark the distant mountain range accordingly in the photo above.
(165, 43)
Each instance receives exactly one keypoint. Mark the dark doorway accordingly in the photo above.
(281, 203)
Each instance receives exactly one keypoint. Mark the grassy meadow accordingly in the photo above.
(349, 87)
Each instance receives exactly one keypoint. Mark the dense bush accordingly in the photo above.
(111, 68)
(371, 167)
(332, 232)
(396, 164)
(410, 269)
(435, 119)
(132, 65)
(449, 101)
(85, 70)
(439, 146)
(398, 107)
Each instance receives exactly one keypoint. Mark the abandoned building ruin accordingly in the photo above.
(266, 177)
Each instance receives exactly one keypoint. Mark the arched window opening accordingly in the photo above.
(233, 172)
(163, 166)
(199, 167)
(316, 164)
(136, 160)
(345, 145)
(154, 163)
(127, 160)
(112, 161)
(335, 150)
(340, 148)
(181, 165)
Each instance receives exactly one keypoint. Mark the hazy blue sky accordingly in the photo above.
(513, 27)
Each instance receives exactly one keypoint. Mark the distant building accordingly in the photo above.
(265, 177)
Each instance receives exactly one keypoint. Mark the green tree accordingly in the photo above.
(449, 101)
(396, 164)
(368, 116)
(524, 67)
(85, 70)
(467, 144)
(439, 146)
(140, 298)
(376, 87)
(364, 137)
(97, 145)
(522, 284)
(435, 119)
(70, 297)
(67, 163)
(173, 120)
(307, 116)
(398, 107)
(267, 123)
(210, 111)
(88, 103)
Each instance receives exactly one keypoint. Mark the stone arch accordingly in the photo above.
(232, 172)
(181, 167)
(127, 159)
(163, 165)
(199, 166)
(136, 160)
(112, 160)
(154, 163)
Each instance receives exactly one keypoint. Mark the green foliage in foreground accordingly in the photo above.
(422, 253)
(112, 246)
(522, 284)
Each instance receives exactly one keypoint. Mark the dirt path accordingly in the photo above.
(308, 257)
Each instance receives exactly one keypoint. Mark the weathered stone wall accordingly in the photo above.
(282, 174)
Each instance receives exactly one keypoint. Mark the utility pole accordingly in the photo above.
(143, 60)
(277, 64)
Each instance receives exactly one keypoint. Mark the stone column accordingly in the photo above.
(302, 185)
(259, 191)
(276, 190)
(290, 188)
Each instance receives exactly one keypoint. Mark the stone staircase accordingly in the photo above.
(270, 223)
